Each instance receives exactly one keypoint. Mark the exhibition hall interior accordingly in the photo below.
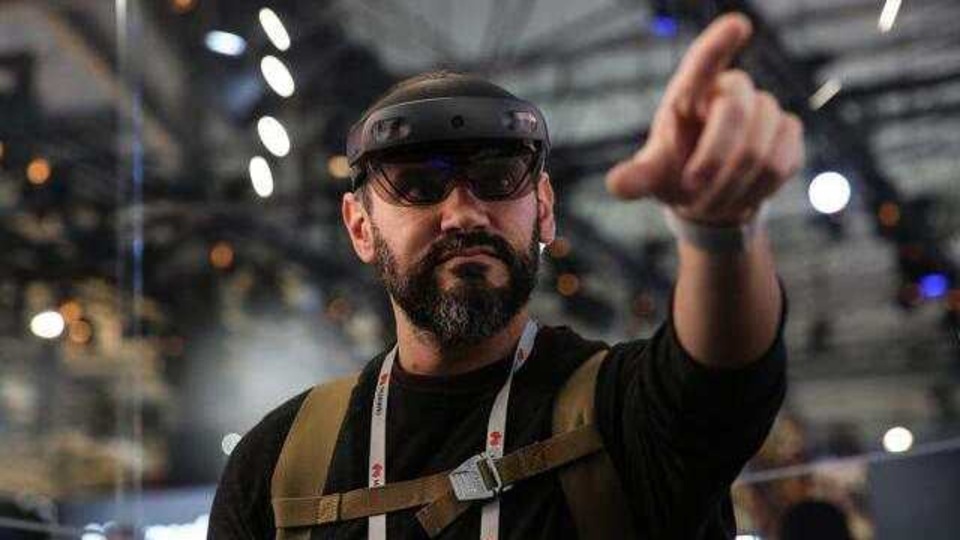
(174, 264)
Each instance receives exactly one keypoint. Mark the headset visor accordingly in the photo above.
(425, 177)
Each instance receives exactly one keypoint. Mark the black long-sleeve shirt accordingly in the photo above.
(677, 432)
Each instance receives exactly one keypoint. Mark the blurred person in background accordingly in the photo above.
(814, 520)
(452, 432)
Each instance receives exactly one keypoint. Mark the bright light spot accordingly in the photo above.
(338, 167)
(230, 441)
(274, 29)
(934, 285)
(225, 43)
(897, 439)
(71, 311)
(277, 76)
(47, 325)
(261, 177)
(568, 284)
(829, 192)
(186, 531)
(824, 94)
(93, 531)
(38, 171)
(221, 255)
(184, 6)
(664, 26)
(80, 332)
(274, 136)
(888, 15)
(748, 537)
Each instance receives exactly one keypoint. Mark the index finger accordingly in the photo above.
(711, 53)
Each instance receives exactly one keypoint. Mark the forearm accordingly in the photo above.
(727, 306)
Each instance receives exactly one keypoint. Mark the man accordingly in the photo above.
(453, 228)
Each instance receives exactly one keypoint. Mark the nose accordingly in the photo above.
(461, 210)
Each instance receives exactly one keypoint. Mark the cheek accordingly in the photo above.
(517, 224)
(407, 236)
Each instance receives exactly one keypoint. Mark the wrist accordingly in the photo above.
(717, 238)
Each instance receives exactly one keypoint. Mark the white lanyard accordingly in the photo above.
(495, 439)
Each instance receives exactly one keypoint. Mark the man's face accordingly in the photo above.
(460, 269)
(467, 285)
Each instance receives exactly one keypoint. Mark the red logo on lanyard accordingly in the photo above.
(384, 377)
(496, 438)
(376, 472)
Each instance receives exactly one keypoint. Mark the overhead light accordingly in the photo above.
(829, 192)
(225, 43)
(229, 442)
(221, 255)
(897, 440)
(934, 285)
(183, 6)
(274, 136)
(47, 325)
(339, 167)
(568, 284)
(888, 15)
(824, 94)
(71, 311)
(38, 171)
(274, 29)
(277, 76)
(261, 177)
(664, 26)
(79, 332)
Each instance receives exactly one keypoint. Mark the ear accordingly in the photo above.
(359, 226)
(545, 216)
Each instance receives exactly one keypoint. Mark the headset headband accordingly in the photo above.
(446, 119)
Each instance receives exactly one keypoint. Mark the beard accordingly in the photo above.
(471, 310)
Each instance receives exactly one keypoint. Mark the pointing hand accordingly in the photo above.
(718, 146)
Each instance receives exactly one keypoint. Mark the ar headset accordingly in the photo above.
(414, 152)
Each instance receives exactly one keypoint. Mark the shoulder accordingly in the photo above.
(257, 451)
(241, 507)
(562, 351)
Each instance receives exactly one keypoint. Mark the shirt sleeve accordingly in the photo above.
(242, 506)
(679, 432)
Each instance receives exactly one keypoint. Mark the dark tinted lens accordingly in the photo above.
(500, 177)
(417, 182)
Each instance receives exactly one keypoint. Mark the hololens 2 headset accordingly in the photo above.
(443, 111)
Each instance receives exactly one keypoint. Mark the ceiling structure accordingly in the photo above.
(149, 135)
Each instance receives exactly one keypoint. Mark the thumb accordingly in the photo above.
(642, 175)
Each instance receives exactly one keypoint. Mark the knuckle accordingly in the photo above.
(768, 101)
(782, 170)
(707, 167)
(794, 124)
(739, 78)
(737, 111)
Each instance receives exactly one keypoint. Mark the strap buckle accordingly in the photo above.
(477, 478)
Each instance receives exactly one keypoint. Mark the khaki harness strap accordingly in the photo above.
(435, 492)
(301, 469)
(520, 464)
(592, 486)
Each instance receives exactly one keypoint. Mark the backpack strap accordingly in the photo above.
(308, 449)
(591, 485)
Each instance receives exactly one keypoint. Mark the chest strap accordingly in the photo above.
(441, 505)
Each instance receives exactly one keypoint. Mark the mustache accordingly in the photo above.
(449, 246)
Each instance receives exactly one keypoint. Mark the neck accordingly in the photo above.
(419, 353)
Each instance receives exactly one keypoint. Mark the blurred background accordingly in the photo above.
(172, 262)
